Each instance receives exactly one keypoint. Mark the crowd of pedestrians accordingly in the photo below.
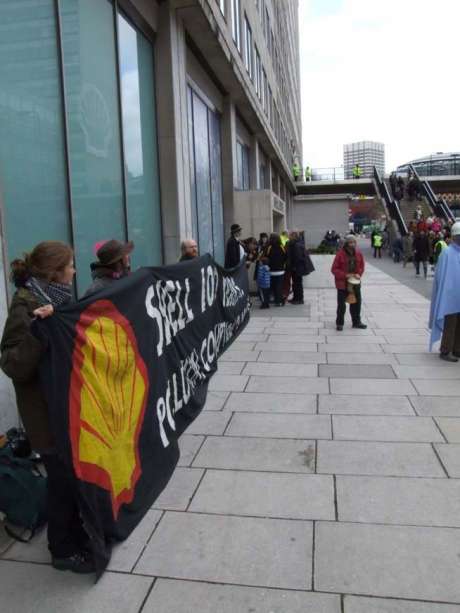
(281, 261)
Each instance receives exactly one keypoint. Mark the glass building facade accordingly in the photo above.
(434, 165)
(78, 147)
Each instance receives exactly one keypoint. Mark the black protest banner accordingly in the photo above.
(125, 373)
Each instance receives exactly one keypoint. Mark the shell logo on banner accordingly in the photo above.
(108, 393)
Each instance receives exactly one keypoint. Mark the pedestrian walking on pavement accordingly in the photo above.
(445, 300)
(421, 250)
(377, 242)
(44, 281)
(408, 249)
(348, 268)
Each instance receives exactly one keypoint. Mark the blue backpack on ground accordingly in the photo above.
(22, 494)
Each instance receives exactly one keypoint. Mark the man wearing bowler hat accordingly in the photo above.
(113, 263)
(235, 251)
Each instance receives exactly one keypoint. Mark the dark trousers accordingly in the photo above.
(264, 295)
(377, 250)
(355, 309)
(297, 287)
(66, 535)
(286, 284)
(277, 288)
(425, 267)
(450, 340)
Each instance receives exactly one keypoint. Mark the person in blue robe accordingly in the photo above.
(445, 300)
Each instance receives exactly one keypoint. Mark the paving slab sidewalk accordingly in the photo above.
(322, 477)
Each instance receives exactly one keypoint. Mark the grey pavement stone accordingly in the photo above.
(266, 495)
(175, 596)
(41, 589)
(308, 333)
(243, 345)
(189, 445)
(423, 359)
(450, 427)
(403, 322)
(339, 339)
(281, 370)
(215, 400)
(352, 347)
(273, 455)
(450, 457)
(281, 385)
(428, 372)
(412, 348)
(210, 422)
(231, 355)
(126, 553)
(348, 332)
(296, 337)
(391, 500)
(296, 323)
(399, 336)
(365, 405)
(351, 371)
(436, 405)
(389, 561)
(360, 358)
(227, 383)
(286, 346)
(268, 403)
(297, 357)
(252, 337)
(386, 428)
(278, 425)
(384, 387)
(436, 387)
(372, 458)
(36, 551)
(5, 540)
(361, 604)
(230, 368)
(180, 489)
(239, 550)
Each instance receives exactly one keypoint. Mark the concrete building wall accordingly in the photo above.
(317, 214)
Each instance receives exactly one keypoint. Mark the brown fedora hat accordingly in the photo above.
(113, 251)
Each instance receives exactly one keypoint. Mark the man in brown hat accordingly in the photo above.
(113, 263)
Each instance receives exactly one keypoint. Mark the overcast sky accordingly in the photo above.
(384, 70)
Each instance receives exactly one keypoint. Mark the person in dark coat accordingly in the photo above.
(421, 250)
(299, 264)
(44, 281)
(348, 263)
(113, 263)
(277, 259)
(234, 252)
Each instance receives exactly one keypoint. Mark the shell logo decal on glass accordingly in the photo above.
(108, 393)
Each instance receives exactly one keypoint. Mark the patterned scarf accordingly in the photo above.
(56, 294)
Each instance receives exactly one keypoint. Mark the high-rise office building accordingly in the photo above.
(367, 154)
(145, 120)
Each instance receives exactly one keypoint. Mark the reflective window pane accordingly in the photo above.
(32, 161)
(93, 127)
(140, 145)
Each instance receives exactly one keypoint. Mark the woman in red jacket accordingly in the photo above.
(348, 264)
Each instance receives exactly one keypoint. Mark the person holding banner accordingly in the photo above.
(113, 263)
(44, 281)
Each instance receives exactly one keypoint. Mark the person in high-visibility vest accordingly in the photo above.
(377, 243)
(296, 172)
(439, 247)
(357, 171)
(308, 173)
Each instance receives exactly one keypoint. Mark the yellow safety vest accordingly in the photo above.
(378, 240)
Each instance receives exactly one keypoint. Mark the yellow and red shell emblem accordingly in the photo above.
(108, 393)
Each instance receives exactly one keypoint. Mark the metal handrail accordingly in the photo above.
(391, 205)
(438, 206)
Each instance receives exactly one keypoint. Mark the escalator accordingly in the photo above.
(391, 205)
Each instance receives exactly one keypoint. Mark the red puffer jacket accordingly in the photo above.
(340, 267)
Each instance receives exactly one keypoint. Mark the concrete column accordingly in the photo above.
(254, 165)
(173, 152)
(229, 165)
